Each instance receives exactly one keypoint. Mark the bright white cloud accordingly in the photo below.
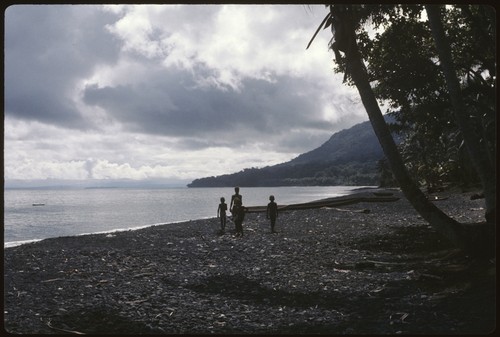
(235, 41)
(118, 156)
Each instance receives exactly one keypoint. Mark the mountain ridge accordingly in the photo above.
(348, 157)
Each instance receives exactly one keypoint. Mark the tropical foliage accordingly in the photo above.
(403, 65)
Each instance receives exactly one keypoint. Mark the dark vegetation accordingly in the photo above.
(404, 61)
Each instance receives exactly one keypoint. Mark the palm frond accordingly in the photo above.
(327, 21)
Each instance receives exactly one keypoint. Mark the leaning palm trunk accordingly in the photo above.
(477, 151)
(345, 40)
(432, 214)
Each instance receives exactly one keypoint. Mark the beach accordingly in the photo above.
(359, 268)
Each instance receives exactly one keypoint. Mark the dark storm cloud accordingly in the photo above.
(45, 51)
(44, 65)
(170, 103)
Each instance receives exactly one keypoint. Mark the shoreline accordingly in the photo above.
(327, 270)
(14, 237)
(12, 244)
(361, 189)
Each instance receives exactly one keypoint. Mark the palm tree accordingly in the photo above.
(343, 21)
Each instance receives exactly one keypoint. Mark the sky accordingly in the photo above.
(171, 92)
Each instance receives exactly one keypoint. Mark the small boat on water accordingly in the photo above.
(38, 204)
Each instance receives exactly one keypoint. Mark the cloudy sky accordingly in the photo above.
(170, 91)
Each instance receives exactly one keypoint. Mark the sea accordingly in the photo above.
(36, 214)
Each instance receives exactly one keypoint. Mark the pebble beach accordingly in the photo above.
(360, 268)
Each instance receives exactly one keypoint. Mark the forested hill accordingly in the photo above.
(349, 157)
(356, 144)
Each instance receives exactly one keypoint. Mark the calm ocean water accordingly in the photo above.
(82, 211)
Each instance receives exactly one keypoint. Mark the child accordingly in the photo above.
(239, 215)
(221, 213)
(272, 212)
(236, 195)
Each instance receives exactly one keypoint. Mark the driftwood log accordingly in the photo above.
(335, 202)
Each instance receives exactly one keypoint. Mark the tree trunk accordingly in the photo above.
(477, 150)
(445, 225)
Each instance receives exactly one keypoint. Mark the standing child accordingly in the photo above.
(221, 213)
(236, 195)
(238, 216)
(272, 212)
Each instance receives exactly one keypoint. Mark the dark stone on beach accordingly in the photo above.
(325, 271)
(477, 196)
(364, 265)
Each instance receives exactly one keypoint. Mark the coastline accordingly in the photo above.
(25, 224)
(327, 270)
(355, 191)
(111, 231)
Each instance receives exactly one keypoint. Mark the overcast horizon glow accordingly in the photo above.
(174, 92)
